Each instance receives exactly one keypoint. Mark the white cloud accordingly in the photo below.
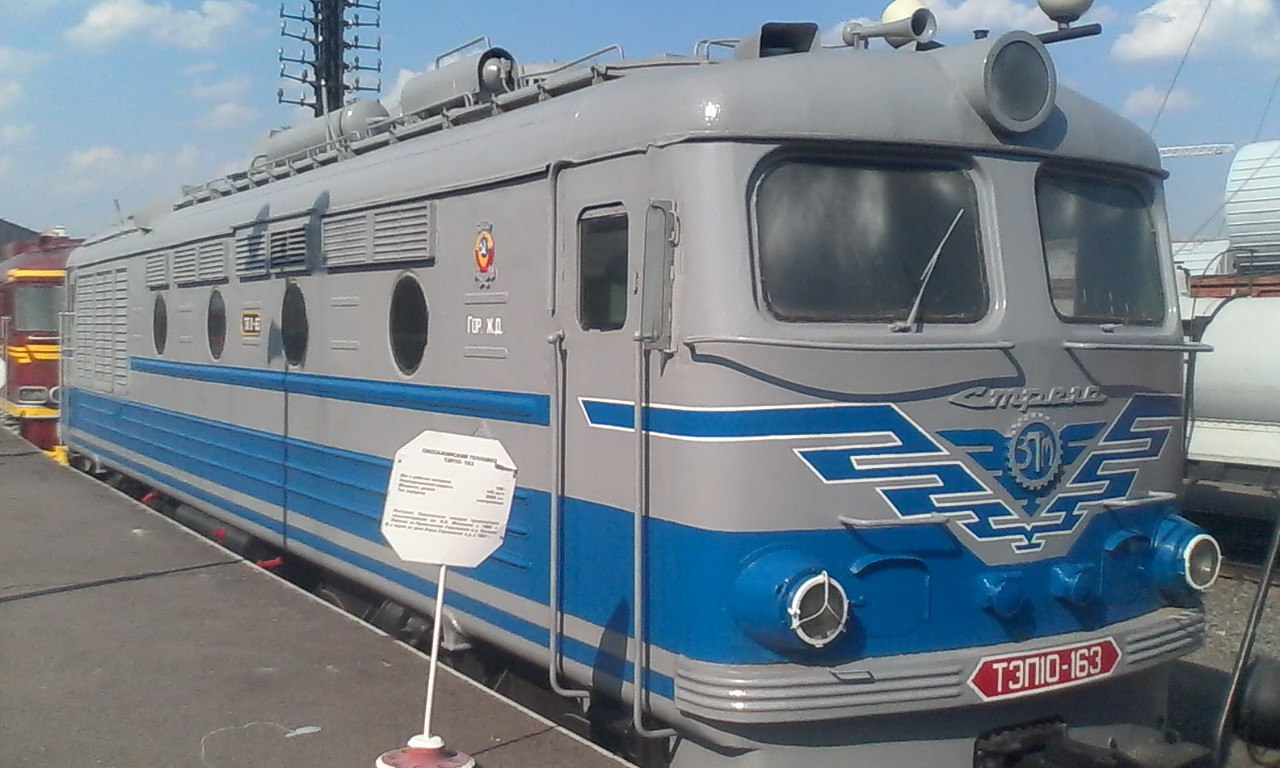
(200, 68)
(10, 90)
(1165, 29)
(967, 15)
(94, 157)
(109, 21)
(222, 90)
(392, 100)
(229, 114)
(13, 63)
(102, 162)
(1146, 101)
(14, 133)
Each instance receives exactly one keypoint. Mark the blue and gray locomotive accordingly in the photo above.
(843, 383)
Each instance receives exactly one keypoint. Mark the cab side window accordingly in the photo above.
(602, 269)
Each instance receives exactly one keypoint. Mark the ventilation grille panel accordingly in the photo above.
(157, 270)
(251, 253)
(289, 249)
(404, 232)
(212, 260)
(346, 239)
(184, 264)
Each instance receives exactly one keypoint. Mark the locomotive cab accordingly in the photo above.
(32, 297)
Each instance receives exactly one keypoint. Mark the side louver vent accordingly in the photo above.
(184, 264)
(213, 260)
(289, 249)
(251, 253)
(157, 270)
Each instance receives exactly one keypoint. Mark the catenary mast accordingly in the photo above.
(329, 79)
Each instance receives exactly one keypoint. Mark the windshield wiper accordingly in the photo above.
(910, 322)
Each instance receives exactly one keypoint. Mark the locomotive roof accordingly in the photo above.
(48, 252)
(845, 94)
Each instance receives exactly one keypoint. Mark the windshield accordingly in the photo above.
(850, 241)
(36, 308)
(1100, 249)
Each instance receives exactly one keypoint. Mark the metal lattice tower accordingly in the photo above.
(325, 69)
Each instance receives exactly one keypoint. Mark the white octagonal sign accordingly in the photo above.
(448, 499)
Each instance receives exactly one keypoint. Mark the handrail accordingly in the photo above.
(640, 665)
(855, 346)
(482, 39)
(1152, 498)
(556, 340)
(544, 74)
(859, 523)
(66, 349)
(704, 46)
(1121, 346)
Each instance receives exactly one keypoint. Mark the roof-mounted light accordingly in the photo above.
(1009, 80)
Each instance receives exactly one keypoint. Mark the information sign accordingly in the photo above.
(448, 499)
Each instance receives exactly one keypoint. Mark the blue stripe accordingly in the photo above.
(755, 422)
(518, 407)
(576, 650)
(932, 605)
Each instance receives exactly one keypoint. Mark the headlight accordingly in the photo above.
(819, 610)
(33, 395)
(1185, 557)
(1202, 559)
(55, 395)
(787, 601)
(1020, 83)
(1010, 81)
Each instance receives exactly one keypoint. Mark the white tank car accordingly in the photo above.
(1234, 444)
(1234, 392)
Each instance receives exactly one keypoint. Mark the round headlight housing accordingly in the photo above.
(1020, 84)
(819, 610)
(1185, 558)
(787, 600)
(1009, 81)
(1202, 561)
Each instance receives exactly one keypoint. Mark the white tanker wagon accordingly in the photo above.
(844, 383)
(1234, 392)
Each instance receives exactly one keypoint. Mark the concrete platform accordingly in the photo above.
(127, 641)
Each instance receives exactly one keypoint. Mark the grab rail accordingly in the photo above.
(554, 617)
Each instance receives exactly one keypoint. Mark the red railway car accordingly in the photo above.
(32, 294)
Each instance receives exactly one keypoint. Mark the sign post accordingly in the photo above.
(447, 503)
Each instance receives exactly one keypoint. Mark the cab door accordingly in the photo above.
(608, 310)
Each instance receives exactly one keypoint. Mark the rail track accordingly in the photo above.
(1244, 544)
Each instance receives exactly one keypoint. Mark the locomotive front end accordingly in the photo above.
(938, 485)
(31, 298)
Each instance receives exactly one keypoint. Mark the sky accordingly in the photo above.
(106, 101)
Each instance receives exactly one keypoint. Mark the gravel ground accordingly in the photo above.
(1199, 683)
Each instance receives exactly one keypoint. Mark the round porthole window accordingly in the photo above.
(293, 325)
(217, 324)
(408, 324)
(160, 323)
